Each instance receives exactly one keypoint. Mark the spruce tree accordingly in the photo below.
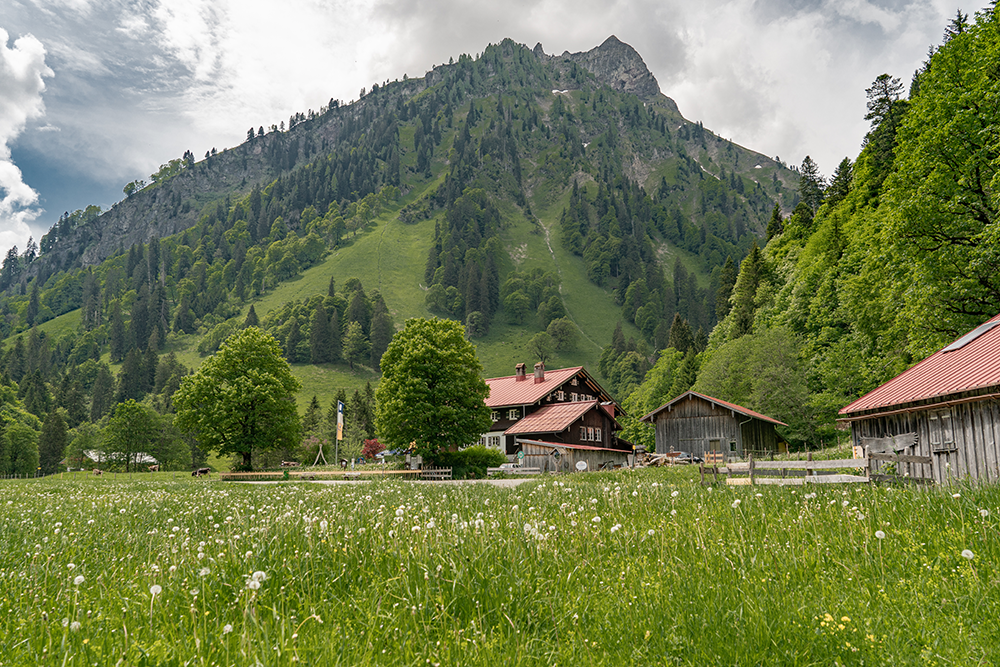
(774, 225)
(320, 337)
(727, 279)
(52, 442)
(292, 342)
(312, 418)
(102, 394)
(381, 330)
(116, 336)
(251, 320)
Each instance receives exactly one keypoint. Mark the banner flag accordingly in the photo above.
(340, 420)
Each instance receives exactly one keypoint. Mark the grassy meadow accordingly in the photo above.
(632, 567)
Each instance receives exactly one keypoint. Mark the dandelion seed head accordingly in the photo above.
(967, 554)
(880, 534)
(75, 626)
(78, 580)
(155, 590)
(227, 628)
(675, 493)
(984, 513)
(736, 503)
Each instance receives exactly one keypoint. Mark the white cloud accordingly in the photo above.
(22, 69)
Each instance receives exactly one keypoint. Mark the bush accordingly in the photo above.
(471, 462)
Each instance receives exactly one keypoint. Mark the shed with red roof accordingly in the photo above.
(945, 407)
(700, 424)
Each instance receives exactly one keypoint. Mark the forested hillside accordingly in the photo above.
(534, 198)
(874, 270)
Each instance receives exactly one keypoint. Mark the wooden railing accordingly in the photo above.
(513, 471)
(799, 473)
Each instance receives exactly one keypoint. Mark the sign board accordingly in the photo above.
(581, 465)
(520, 455)
(340, 420)
(859, 451)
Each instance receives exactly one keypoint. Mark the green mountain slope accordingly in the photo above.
(507, 191)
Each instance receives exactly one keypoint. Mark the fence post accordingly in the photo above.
(751, 468)
(811, 472)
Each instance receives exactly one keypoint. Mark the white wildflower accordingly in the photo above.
(78, 580)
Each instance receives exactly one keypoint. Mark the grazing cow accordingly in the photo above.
(154, 468)
(201, 471)
(98, 471)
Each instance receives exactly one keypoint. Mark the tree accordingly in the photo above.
(355, 344)
(727, 279)
(563, 332)
(133, 429)
(320, 337)
(541, 346)
(810, 184)
(381, 330)
(52, 442)
(774, 225)
(432, 392)
(103, 393)
(252, 320)
(242, 398)
(312, 418)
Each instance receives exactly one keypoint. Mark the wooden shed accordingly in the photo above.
(699, 424)
(564, 457)
(945, 408)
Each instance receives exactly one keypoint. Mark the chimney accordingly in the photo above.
(539, 372)
(520, 373)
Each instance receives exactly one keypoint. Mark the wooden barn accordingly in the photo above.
(945, 408)
(700, 424)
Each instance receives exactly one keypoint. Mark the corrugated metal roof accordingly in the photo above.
(974, 365)
(507, 391)
(746, 412)
(554, 418)
(567, 446)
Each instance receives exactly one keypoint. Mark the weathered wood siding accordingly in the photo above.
(691, 425)
(540, 456)
(962, 439)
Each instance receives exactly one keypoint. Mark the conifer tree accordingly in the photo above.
(312, 418)
(320, 337)
(681, 338)
(292, 341)
(102, 394)
(251, 319)
(116, 335)
(774, 225)
(727, 279)
(381, 330)
(745, 292)
(52, 442)
(355, 344)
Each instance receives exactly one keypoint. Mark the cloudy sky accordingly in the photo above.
(96, 93)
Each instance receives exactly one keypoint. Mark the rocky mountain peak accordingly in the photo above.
(620, 66)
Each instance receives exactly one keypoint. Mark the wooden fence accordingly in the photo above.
(513, 471)
(316, 475)
(800, 473)
(435, 473)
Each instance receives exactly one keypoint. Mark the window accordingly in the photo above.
(942, 436)
(597, 434)
(560, 395)
(574, 382)
(590, 433)
(493, 442)
(573, 397)
(495, 416)
(512, 413)
(583, 433)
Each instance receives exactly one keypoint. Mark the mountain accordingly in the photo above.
(518, 192)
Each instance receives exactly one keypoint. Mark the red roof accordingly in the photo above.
(568, 446)
(971, 362)
(746, 412)
(507, 391)
(554, 418)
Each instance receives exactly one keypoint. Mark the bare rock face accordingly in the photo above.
(618, 65)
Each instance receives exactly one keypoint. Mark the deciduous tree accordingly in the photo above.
(242, 398)
(432, 392)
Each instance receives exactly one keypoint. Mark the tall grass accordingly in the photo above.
(606, 568)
